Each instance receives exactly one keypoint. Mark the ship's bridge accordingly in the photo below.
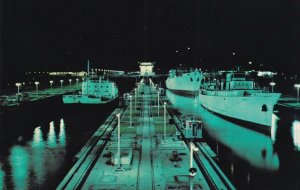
(146, 68)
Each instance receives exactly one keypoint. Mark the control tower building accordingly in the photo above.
(146, 68)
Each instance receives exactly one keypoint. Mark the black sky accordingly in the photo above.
(61, 35)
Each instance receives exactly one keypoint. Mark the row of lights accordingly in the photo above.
(18, 84)
(297, 86)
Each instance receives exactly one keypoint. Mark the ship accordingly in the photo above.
(239, 98)
(186, 81)
(94, 91)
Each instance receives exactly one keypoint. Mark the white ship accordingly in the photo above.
(184, 80)
(238, 98)
(94, 91)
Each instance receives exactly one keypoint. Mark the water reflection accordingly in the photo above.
(51, 141)
(296, 134)
(274, 127)
(37, 140)
(19, 161)
(62, 133)
(2, 176)
(254, 147)
(37, 156)
(32, 162)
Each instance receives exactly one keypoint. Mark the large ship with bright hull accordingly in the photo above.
(185, 81)
(238, 98)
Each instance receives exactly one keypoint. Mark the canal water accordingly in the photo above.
(38, 142)
(252, 160)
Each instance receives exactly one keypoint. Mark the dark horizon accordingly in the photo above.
(62, 36)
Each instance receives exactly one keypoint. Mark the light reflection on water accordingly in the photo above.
(19, 162)
(62, 133)
(51, 142)
(2, 176)
(255, 148)
(296, 134)
(38, 155)
(274, 127)
(33, 161)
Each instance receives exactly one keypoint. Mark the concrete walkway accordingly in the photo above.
(145, 178)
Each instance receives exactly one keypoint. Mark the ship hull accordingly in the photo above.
(256, 108)
(81, 99)
(188, 83)
(185, 92)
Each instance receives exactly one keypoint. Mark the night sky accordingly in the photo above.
(60, 35)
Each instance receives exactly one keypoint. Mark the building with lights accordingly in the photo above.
(146, 68)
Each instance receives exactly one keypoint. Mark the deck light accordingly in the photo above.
(70, 80)
(18, 86)
(119, 142)
(51, 83)
(130, 99)
(297, 86)
(165, 121)
(37, 87)
(157, 103)
(192, 170)
(135, 99)
(272, 85)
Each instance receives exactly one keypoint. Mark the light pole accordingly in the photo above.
(158, 104)
(70, 80)
(77, 81)
(297, 86)
(119, 142)
(130, 99)
(37, 87)
(18, 86)
(165, 121)
(192, 149)
(272, 86)
(192, 170)
(51, 83)
(135, 99)
(61, 84)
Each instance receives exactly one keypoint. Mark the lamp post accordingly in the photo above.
(192, 149)
(77, 81)
(18, 86)
(51, 83)
(61, 84)
(37, 87)
(297, 86)
(158, 104)
(70, 81)
(192, 170)
(119, 141)
(130, 99)
(165, 121)
(135, 99)
(272, 86)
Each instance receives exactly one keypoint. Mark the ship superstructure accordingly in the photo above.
(95, 90)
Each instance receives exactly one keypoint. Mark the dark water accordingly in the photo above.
(250, 159)
(38, 141)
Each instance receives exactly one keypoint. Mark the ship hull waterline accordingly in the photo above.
(253, 111)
